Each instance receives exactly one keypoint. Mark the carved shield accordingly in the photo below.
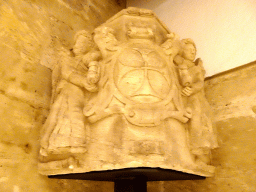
(141, 74)
(142, 82)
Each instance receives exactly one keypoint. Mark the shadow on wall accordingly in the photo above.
(141, 3)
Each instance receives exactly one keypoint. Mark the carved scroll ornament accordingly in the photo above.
(128, 95)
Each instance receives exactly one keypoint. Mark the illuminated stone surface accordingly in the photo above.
(130, 95)
(231, 95)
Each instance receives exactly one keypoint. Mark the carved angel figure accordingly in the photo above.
(130, 96)
(75, 78)
(202, 135)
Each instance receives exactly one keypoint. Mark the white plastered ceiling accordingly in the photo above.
(223, 30)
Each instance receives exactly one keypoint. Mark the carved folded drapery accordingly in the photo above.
(128, 95)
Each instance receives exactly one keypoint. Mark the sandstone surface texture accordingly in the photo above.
(31, 33)
(129, 95)
(232, 96)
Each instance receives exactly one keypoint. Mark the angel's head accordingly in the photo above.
(83, 42)
(189, 49)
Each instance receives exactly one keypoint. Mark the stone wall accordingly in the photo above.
(30, 33)
(232, 95)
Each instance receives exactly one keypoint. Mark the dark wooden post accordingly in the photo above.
(132, 184)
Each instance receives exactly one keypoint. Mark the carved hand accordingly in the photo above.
(187, 91)
(92, 77)
(178, 60)
(179, 115)
(92, 87)
(188, 113)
